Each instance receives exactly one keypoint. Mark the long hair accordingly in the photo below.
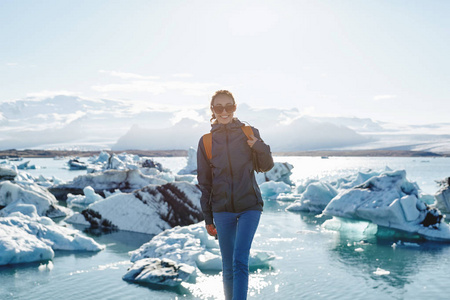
(220, 92)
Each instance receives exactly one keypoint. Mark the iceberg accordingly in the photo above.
(8, 172)
(26, 166)
(89, 197)
(443, 195)
(390, 200)
(159, 271)
(315, 198)
(280, 172)
(191, 167)
(75, 164)
(26, 178)
(271, 189)
(30, 238)
(185, 246)
(45, 203)
(110, 180)
(150, 210)
(104, 161)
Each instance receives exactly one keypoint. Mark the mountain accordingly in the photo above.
(75, 123)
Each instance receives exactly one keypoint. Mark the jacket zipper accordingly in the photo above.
(231, 171)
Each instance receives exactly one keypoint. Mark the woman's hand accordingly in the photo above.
(252, 141)
(211, 229)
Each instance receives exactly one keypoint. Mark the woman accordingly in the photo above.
(231, 200)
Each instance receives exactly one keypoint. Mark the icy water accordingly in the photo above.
(312, 263)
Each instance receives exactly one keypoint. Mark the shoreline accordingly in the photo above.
(33, 153)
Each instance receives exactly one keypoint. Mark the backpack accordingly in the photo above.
(207, 143)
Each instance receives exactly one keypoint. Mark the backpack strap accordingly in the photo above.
(207, 140)
(248, 131)
(207, 143)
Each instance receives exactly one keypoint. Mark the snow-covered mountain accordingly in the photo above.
(71, 122)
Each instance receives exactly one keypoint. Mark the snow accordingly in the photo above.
(30, 238)
(191, 246)
(150, 210)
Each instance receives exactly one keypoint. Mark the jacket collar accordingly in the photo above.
(235, 123)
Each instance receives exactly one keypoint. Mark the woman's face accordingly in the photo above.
(222, 102)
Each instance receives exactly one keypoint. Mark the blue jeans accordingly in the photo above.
(236, 232)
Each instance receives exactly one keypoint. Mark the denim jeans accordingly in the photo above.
(236, 232)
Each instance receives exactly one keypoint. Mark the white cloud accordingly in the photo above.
(48, 94)
(182, 75)
(159, 87)
(384, 97)
(11, 64)
(125, 75)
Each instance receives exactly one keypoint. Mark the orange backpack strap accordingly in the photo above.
(207, 143)
(248, 131)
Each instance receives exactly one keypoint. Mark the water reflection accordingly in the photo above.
(363, 253)
(118, 241)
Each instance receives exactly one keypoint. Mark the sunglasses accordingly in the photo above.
(229, 108)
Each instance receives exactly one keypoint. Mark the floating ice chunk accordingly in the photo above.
(103, 157)
(17, 206)
(271, 189)
(124, 180)
(191, 167)
(187, 178)
(8, 172)
(191, 245)
(151, 209)
(443, 195)
(288, 197)
(77, 218)
(409, 207)
(390, 200)
(315, 198)
(18, 246)
(355, 228)
(27, 239)
(45, 203)
(381, 272)
(26, 166)
(89, 197)
(108, 194)
(159, 271)
(280, 172)
(302, 185)
(359, 250)
(46, 267)
(26, 178)
(405, 244)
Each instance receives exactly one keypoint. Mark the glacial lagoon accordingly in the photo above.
(360, 261)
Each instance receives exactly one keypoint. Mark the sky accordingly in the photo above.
(385, 60)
